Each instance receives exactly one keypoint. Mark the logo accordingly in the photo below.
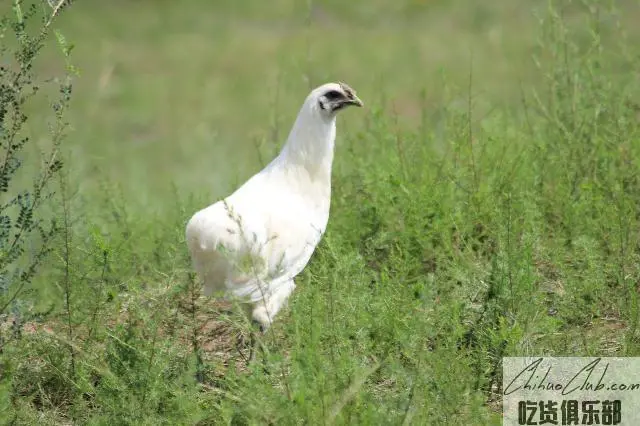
(570, 391)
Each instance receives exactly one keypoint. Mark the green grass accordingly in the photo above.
(484, 205)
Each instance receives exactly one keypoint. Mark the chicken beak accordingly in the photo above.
(354, 100)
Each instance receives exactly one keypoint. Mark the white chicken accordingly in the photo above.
(251, 245)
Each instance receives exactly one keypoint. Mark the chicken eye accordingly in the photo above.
(332, 95)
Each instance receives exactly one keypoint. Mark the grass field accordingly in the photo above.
(485, 204)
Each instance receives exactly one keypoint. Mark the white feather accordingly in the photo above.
(252, 244)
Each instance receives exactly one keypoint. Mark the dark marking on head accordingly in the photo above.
(347, 90)
(333, 95)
